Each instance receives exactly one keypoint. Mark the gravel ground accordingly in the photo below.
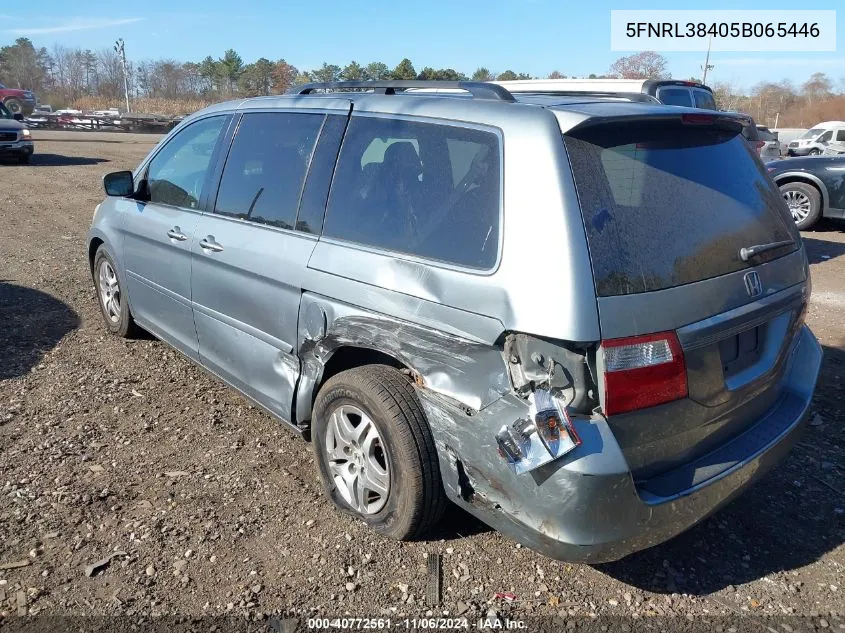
(201, 504)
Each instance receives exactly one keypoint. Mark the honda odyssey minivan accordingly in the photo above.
(580, 319)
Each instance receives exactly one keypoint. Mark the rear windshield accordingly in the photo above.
(666, 205)
(704, 99)
(675, 96)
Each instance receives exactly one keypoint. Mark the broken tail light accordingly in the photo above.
(643, 371)
(548, 433)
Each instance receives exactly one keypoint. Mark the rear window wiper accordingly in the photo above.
(747, 252)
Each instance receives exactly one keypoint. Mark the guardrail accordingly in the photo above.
(151, 123)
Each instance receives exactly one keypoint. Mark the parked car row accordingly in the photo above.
(483, 296)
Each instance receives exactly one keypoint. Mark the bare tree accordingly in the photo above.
(643, 65)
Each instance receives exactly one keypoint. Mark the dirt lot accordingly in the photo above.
(109, 445)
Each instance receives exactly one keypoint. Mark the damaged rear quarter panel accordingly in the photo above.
(470, 372)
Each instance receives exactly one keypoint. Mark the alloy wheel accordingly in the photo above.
(357, 459)
(799, 204)
(109, 288)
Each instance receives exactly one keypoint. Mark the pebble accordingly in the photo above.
(309, 522)
(151, 571)
(180, 565)
(350, 586)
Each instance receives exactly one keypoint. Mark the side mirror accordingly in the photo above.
(119, 183)
(17, 116)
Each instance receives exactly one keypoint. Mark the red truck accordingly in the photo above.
(17, 101)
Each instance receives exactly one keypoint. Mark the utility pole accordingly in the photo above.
(707, 65)
(120, 49)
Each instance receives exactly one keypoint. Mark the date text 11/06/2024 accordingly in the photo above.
(414, 624)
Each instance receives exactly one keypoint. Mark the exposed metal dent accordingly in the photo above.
(468, 372)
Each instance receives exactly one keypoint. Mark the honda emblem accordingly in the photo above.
(753, 285)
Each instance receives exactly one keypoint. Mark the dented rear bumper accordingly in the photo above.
(586, 505)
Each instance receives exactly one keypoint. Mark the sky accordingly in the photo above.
(533, 36)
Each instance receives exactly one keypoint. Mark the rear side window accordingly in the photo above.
(429, 190)
(840, 136)
(675, 96)
(703, 99)
(262, 179)
(177, 173)
(766, 134)
(669, 205)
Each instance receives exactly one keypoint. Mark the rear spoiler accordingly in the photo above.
(693, 118)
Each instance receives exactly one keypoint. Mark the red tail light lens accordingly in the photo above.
(643, 371)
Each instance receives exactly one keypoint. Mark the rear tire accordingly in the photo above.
(111, 296)
(805, 203)
(414, 500)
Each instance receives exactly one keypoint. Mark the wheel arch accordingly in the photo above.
(93, 244)
(339, 359)
(809, 179)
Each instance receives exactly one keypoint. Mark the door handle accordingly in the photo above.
(176, 234)
(209, 244)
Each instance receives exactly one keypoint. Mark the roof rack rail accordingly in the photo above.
(478, 89)
(632, 96)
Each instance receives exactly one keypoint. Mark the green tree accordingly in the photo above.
(230, 67)
(326, 72)
(257, 78)
(352, 72)
(303, 77)
(482, 74)
(210, 72)
(427, 73)
(375, 71)
(404, 70)
(24, 66)
(508, 75)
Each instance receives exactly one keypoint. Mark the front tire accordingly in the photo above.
(814, 152)
(804, 202)
(111, 297)
(23, 159)
(375, 452)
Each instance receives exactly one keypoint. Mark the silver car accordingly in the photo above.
(770, 145)
(579, 319)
